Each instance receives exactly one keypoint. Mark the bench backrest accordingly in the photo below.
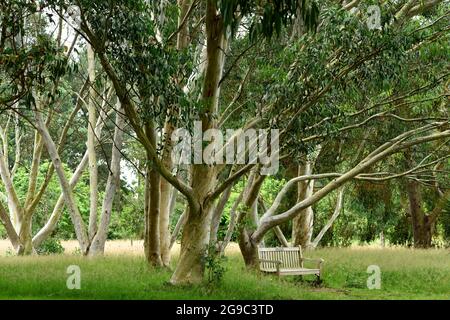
(291, 258)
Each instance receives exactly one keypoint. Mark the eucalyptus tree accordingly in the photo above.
(26, 33)
(150, 76)
(107, 42)
(377, 70)
(46, 98)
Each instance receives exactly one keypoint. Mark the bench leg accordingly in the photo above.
(318, 280)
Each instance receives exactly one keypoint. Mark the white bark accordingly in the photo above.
(302, 224)
(277, 230)
(65, 186)
(113, 183)
(218, 212)
(93, 170)
(234, 213)
(14, 206)
(10, 231)
(180, 223)
(51, 223)
(337, 211)
(18, 140)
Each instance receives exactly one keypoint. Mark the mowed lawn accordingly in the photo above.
(405, 274)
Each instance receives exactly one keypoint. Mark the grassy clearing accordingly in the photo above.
(406, 274)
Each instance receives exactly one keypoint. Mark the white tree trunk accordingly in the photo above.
(302, 225)
(67, 191)
(218, 212)
(113, 183)
(10, 231)
(195, 239)
(51, 223)
(14, 206)
(93, 171)
(337, 211)
(194, 243)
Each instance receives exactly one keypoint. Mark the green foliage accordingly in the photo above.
(2, 232)
(356, 280)
(214, 265)
(51, 246)
(29, 56)
(270, 17)
(127, 219)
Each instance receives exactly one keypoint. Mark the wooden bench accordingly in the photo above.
(287, 261)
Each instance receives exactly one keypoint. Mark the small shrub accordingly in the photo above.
(77, 252)
(214, 264)
(51, 246)
(10, 252)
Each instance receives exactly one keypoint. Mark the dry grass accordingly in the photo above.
(114, 247)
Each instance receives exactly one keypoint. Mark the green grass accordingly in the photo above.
(406, 274)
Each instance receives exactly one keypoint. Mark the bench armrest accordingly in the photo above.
(276, 262)
(318, 261)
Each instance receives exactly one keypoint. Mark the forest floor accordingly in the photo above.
(123, 274)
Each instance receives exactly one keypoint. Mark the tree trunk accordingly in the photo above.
(232, 224)
(249, 250)
(217, 215)
(337, 211)
(93, 171)
(180, 224)
(10, 231)
(421, 224)
(165, 199)
(51, 223)
(36, 161)
(280, 236)
(67, 191)
(382, 239)
(25, 236)
(302, 224)
(152, 241)
(195, 239)
(14, 206)
(196, 231)
(277, 230)
(112, 184)
(194, 245)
